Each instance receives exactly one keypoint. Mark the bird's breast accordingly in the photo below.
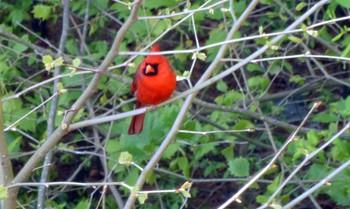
(156, 89)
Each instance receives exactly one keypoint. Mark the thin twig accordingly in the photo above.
(55, 137)
(156, 157)
(30, 112)
(270, 164)
(54, 104)
(323, 182)
(307, 159)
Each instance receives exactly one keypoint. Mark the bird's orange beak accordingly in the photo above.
(149, 69)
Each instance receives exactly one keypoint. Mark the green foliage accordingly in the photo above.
(297, 79)
(142, 198)
(239, 101)
(338, 190)
(300, 6)
(270, 190)
(341, 150)
(15, 12)
(82, 204)
(41, 11)
(344, 3)
(317, 171)
(202, 150)
(239, 167)
(125, 158)
(58, 205)
(50, 63)
(183, 190)
(221, 86)
(258, 82)
(13, 142)
(338, 110)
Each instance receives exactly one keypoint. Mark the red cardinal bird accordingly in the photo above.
(154, 82)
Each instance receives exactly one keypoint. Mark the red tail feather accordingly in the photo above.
(136, 124)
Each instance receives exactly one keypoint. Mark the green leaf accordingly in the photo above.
(303, 27)
(240, 6)
(170, 151)
(313, 138)
(82, 204)
(344, 3)
(12, 105)
(135, 189)
(19, 48)
(338, 189)
(152, 4)
(42, 11)
(259, 82)
(202, 150)
(215, 36)
(186, 185)
(274, 185)
(159, 26)
(254, 67)
(50, 63)
(337, 37)
(239, 167)
(243, 124)
(297, 79)
(47, 59)
(3, 193)
(101, 4)
(316, 172)
(72, 47)
(184, 76)
(125, 158)
(221, 86)
(261, 198)
(99, 50)
(58, 62)
(186, 194)
(60, 86)
(142, 198)
(183, 164)
(275, 68)
(14, 146)
(295, 39)
(76, 62)
(342, 107)
(104, 99)
(341, 150)
(261, 30)
(300, 6)
(346, 51)
(131, 178)
(325, 118)
(16, 15)
(29, 122)
(228, 152)
(202, 56)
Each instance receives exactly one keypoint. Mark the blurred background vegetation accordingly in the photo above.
(269, 96)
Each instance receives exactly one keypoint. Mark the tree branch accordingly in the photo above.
(53, 107)
(6, 172)
(55, 137)
(156, 157)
